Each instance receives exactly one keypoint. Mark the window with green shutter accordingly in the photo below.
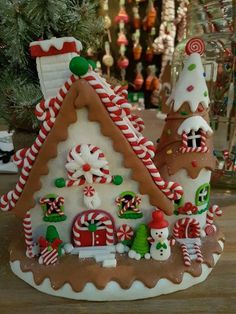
(202, 194)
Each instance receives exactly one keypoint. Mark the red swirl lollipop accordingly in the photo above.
(195, 45)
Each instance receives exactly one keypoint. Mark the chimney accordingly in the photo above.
(52, 58)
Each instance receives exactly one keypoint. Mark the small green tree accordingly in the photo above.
(51, 235)
(140, 244)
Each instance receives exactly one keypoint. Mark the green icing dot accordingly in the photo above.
(60, 183)
(168, 131)
(79, 66)
(92, 63)
(205, 94)
(191, 67)
(117, 180)
(183, 113)
(92, 227)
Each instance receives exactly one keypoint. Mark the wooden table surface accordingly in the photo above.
(216, 295)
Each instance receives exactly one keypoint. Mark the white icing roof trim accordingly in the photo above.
(187, 77)
(194, 123)
(56, 42)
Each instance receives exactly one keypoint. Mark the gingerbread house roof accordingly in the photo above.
(113, 115)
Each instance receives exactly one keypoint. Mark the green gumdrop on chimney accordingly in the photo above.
(79, 66)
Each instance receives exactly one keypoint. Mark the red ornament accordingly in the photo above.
(122, 16)
(194, 163)
(195, 45)
(138, 82)
(122, 40)
(123, 62)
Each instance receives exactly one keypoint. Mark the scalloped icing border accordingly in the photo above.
(113, 291)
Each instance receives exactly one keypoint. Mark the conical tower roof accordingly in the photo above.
(191, 86)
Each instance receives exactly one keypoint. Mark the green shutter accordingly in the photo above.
(198, 201)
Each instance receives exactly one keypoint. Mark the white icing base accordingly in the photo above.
(113, 291)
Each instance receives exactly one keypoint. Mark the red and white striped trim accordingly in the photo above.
(25, 158)
(172, 190)
(128, 204)
(28, 233)
(104, 221)
(210, 228)
(54, 205)
(49, 108)
(186, 256)
(202, 149)
(213, 210)
(180, 230)
(48, 257)
(198, 253)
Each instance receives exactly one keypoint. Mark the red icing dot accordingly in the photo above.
(194, 163)
(86, 167)
(200, 108)
(190, 88)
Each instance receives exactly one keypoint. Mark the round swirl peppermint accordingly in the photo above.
(195, 45)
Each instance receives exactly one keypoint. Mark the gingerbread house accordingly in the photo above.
(88, 188)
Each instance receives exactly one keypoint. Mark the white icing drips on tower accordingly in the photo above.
(191, 86)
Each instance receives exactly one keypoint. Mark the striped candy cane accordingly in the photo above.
(210, 227)
(49, 108)
(28, 235)
(198, 253)
(186, 256)
(48, 257)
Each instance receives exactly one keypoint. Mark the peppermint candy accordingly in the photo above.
(195, 45)
(125, 232)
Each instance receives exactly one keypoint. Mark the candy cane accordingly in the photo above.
(180, 229)
(210, 227)
(28, 235)
(53, 205)
(9, 200)
(49, 108)
(198, 252)
(215, 209)
(19, 157)
(186, 256)
(48, 257)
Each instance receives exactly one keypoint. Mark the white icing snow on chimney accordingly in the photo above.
(53, 57)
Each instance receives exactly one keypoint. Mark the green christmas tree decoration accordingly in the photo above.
(92, 63)
(79, 66)
(140, 244)
(51, 235)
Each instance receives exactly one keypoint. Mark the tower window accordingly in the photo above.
(194, 138)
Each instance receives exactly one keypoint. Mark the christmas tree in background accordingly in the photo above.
(24, 21)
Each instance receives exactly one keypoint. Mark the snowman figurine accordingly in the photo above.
(160, 245)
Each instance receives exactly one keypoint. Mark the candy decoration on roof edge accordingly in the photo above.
(195, 45)
(79, 66)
